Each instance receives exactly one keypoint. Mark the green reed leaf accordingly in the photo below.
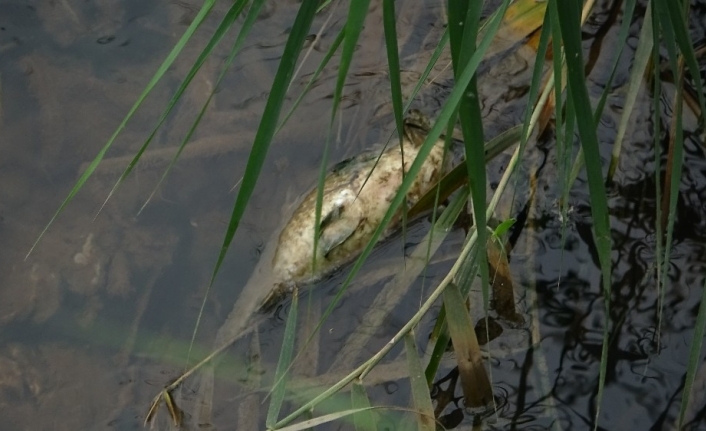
(568, 13)
(464, 23)
(354, 26)
(365, 420)
(393, 62)
(285, 360)
(476, 386)
(676, 32)
(694, 357)
(268, 124)
(639, 65)
(322, 65)
(656, 131)
(418, 384)
(324, 419)
(228, 20)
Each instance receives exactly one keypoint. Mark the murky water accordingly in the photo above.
(98, 318)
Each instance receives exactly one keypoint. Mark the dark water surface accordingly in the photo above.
(98, 318)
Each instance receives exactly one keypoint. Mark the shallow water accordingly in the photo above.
(99, 317)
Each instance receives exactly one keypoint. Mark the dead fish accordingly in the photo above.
(356, 195)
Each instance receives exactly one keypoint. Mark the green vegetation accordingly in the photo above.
(559, 89)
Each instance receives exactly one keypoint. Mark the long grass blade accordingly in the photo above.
(265, 132)
(174, 411)
(667, 31)
(534, 97)
(393, 62)
(217, 36)
(354, 26)
(432, 62)
(564, 132)
(166, 64)
(365, 420)
(639, 65)
(228, 20)
(464, 43)
(676, 33)
(673, 174)
(629, 9)
(570, 25)
(671, 28)
(268, 124)
(566, 124)
(656, 131)
(420, 390)
(307, 424)
(439, 339)
(322, 65)
(621, 43)
(464, 22)
(535, 85)
(500, 278)
(285, 359)
(694, 357)
(476, 386)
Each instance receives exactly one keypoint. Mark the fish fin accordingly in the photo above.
(337, 226)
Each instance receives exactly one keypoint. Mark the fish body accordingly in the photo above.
(356, 196)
